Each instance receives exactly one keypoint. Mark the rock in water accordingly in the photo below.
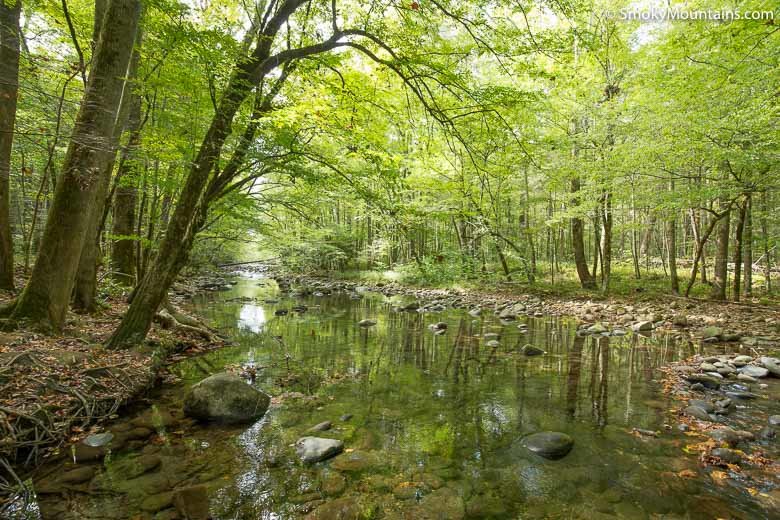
(771, 364)
(754, 371)
(530, 350)
(367, 323)
(225, 398)
(316, 449)
(642, 326)
(598, 328)
(550, 445)
(99, 439)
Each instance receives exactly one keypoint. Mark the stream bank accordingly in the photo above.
(437, 412)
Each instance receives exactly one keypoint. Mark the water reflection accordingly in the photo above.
(438, 415)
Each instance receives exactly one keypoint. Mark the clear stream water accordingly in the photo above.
(435, 422)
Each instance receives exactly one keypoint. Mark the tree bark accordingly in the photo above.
(46, 296)
(747, 247)
(738, 239)
(721, 259)
(85, 290)
(578, 243)
(10, 11)
(190, 212)
(125, 199)
(671, 232)
(606, 240)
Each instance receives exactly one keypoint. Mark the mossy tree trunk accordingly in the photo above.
(46, 296)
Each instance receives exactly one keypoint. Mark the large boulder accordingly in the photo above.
(225, 398)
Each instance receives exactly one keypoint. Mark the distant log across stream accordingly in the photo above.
(266, 261)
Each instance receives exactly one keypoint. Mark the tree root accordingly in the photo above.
(171, 322)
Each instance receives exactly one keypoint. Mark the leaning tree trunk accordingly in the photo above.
(174, 251)
(9, 89)
(721, 259)
(578, 244)
(85, 290)
(45, 298)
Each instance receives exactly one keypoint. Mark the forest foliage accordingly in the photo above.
(537, 142)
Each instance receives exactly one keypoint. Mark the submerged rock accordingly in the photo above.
(367, 323)
(316, 449)
(550, 445)
(192, 502)
(225, 398)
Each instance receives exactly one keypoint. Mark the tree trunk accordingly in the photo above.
(738, 238)
(9, 90)
(46, 296)
(747, 247)
(721, 259)
(85, 290)
(578, 243)
(606, 241)
(125, 198)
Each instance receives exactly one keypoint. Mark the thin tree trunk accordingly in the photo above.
(747, 247)
(738, 237)
(671, 233)
(45, 297)
(606, 240)
(10, 11)
(721, 259)
(578, 243)
(125, 199)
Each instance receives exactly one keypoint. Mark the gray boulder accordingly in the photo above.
(225, 398)
(316, 449)
(772, 364)
(754, 371)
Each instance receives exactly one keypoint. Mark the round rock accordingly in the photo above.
(225, 398)
(550, 445)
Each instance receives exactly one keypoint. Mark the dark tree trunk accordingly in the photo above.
(46, 296)
(578, 244)
(9, 90)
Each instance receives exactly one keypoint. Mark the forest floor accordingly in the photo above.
(58, 389)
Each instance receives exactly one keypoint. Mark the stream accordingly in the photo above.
(432, 423)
